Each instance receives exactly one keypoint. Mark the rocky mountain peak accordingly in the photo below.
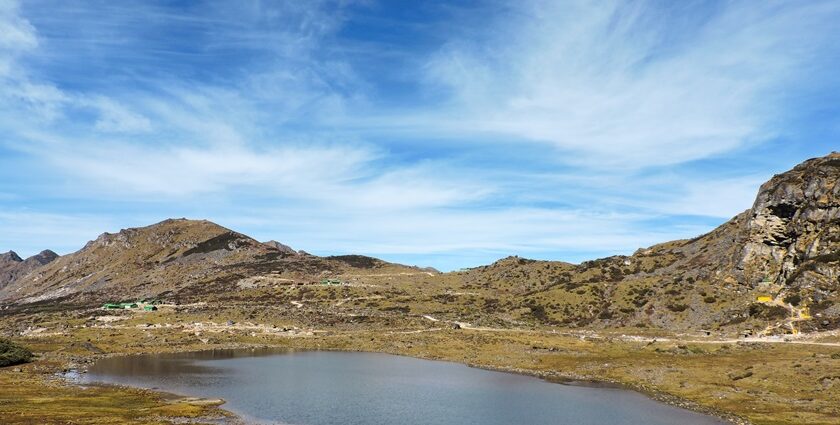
(794, 224)
(44, 257)
(10, 257)
(177, 234)
(13, 267)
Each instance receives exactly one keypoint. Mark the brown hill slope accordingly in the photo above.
(174, 258)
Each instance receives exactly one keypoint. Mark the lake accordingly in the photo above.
(321, 387)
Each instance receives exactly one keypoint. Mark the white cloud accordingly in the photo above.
(283, 150)
(17, 92)
(191, 139)
(620, 84)
(16, 33)
(117, 118)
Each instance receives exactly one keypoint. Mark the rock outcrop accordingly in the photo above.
(785, 248)
(794, 234)
(286, 249)
(794, 225)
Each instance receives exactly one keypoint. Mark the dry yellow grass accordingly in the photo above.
(763, 383)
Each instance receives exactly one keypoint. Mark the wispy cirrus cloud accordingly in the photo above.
(554, 129)
(638, 84)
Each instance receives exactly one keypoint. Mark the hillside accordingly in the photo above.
(174, 259)
(786, 247)
(772, 269)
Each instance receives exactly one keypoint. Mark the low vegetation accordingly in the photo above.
(770, 383)
(13, 354)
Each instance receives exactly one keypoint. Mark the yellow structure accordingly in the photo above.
(804, 313)
(764, 299)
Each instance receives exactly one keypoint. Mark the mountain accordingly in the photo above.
(10, 263)
(12, 266)
(177, 258)
(10, 257)
(773, 269)
(785, 248)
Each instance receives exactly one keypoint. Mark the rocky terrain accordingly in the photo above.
(286, 249)
(772, 269)
(785, 248)
(742, 322)
(171, 260)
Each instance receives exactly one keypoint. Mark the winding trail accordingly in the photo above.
(766, 340)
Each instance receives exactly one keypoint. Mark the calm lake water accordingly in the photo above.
(314, 387)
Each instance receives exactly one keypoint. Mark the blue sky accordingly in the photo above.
(447, 134)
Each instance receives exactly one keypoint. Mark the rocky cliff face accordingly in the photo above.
(786, 247)
(793, 234)
(794, 225)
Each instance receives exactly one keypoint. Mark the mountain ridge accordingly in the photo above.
(784, 250)
(12, 266)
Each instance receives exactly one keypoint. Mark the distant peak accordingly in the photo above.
(43, 257)
(281, 247)
(11, 256)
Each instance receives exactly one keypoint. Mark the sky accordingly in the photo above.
(437, 133)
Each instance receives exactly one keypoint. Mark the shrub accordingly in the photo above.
(539, 312)
(767, 312)
(793, 299)
(12, 354)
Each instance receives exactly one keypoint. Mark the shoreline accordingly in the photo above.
(712, 379)
(554, 377)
